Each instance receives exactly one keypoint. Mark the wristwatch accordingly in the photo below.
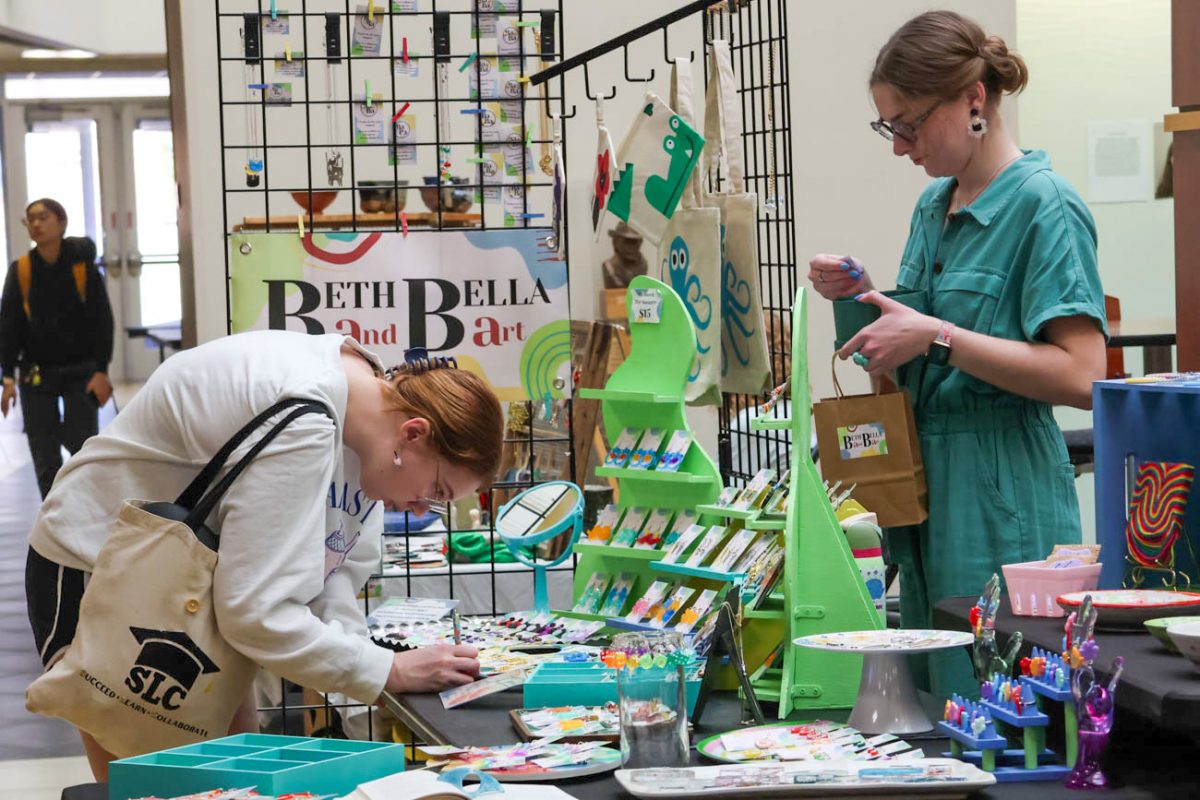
(939, 348)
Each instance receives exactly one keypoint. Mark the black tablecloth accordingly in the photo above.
(1159, 688)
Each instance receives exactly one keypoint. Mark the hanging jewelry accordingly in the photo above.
(396, 458)
(978, 125)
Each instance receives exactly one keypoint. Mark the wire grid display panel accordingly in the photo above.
(758, 42)
(452, 113)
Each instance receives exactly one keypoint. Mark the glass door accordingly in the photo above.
(111, 165)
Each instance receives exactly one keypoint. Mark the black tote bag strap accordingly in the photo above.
(199, 485)
(208, 502)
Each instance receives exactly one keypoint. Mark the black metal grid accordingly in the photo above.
(538, 440)
(758, 43)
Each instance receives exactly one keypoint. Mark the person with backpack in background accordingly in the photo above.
(56, 339)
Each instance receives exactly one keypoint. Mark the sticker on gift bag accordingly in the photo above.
(862, 441)
(656, 158)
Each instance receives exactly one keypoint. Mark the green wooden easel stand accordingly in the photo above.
(823, 590)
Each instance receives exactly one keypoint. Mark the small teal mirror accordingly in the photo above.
(533, 518)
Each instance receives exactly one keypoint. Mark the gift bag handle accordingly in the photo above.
(681, 104)
(199, 503)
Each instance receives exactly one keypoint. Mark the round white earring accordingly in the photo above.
(397, 460)
(978, 125)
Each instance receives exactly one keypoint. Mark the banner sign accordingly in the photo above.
(492, 299)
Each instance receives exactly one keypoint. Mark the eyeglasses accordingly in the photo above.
(905, 130)
(440, 498)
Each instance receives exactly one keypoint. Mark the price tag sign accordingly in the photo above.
(647, 306)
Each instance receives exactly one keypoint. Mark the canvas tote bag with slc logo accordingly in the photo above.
(690, 261)
(148, 669)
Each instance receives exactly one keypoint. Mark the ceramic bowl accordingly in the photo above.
(382, 197)
(1186, 636)
(1158, 629)
(320, 200)
(449, 199)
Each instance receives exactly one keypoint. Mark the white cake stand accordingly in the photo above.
(887, 700)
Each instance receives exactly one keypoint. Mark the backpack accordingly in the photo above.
(25, 276)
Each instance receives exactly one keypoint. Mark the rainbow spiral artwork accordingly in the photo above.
(1156, 513)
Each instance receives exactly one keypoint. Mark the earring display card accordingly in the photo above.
(619, 454)
(691, 616)
(670, 610)
(677, 447)
(734, 549)
(653, 597)
(646, 454)
(756, 551)
(593, 594)
(656, 527)
(682, 543)
(618, 594)
(627, 534)
(683, 520)
(707, 546)
(752, 495)
(603, 529)
(727, 496)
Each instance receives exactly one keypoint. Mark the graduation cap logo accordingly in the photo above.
(167, 667)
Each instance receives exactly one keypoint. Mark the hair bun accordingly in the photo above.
(1009, 70)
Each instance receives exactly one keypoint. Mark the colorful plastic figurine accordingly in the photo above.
(1094, 702)
(985, 654)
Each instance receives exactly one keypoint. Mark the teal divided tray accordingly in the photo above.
(558, 683)
(272, 764)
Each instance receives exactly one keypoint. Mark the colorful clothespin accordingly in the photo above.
(404, 49)
(528, 135)
(367, 94)
(371, 11)
(287, 50)
(274, 13)
(400, 113)
(528, 23)
(300, 224)
(531, 215)
(471, 110)
(404, 224)
(470, 60)
(523, 79)
(478, 160)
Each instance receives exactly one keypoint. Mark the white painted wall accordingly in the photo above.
(108, 27)
(1094, 60)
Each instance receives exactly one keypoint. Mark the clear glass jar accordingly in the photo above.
(653, 700)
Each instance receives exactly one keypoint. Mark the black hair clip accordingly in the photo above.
(418, 360)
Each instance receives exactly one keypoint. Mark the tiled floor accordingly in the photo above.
(38, 756)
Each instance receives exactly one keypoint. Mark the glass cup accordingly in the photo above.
(653, 700)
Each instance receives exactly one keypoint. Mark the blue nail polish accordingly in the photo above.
(845, 265)
(855, 274)
(860, 295)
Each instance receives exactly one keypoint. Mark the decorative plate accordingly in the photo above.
(1158, 629)
(888, 640)
(930, 777)
(1128, 609)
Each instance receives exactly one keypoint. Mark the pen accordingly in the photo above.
(457, 627)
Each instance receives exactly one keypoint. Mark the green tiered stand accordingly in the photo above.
(647, 391)
(823, 589)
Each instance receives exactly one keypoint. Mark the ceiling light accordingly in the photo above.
(43, 53)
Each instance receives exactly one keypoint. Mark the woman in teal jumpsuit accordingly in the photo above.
(1005, 251)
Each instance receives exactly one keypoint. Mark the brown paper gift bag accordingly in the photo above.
(871, 440)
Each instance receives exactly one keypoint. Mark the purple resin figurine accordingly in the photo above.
(1094, 702)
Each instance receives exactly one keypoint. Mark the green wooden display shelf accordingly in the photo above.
(823, 589)
(730, 513)
(629, 553)
(631, 397)
(699, 572)
(650, 475)
(773, 522)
